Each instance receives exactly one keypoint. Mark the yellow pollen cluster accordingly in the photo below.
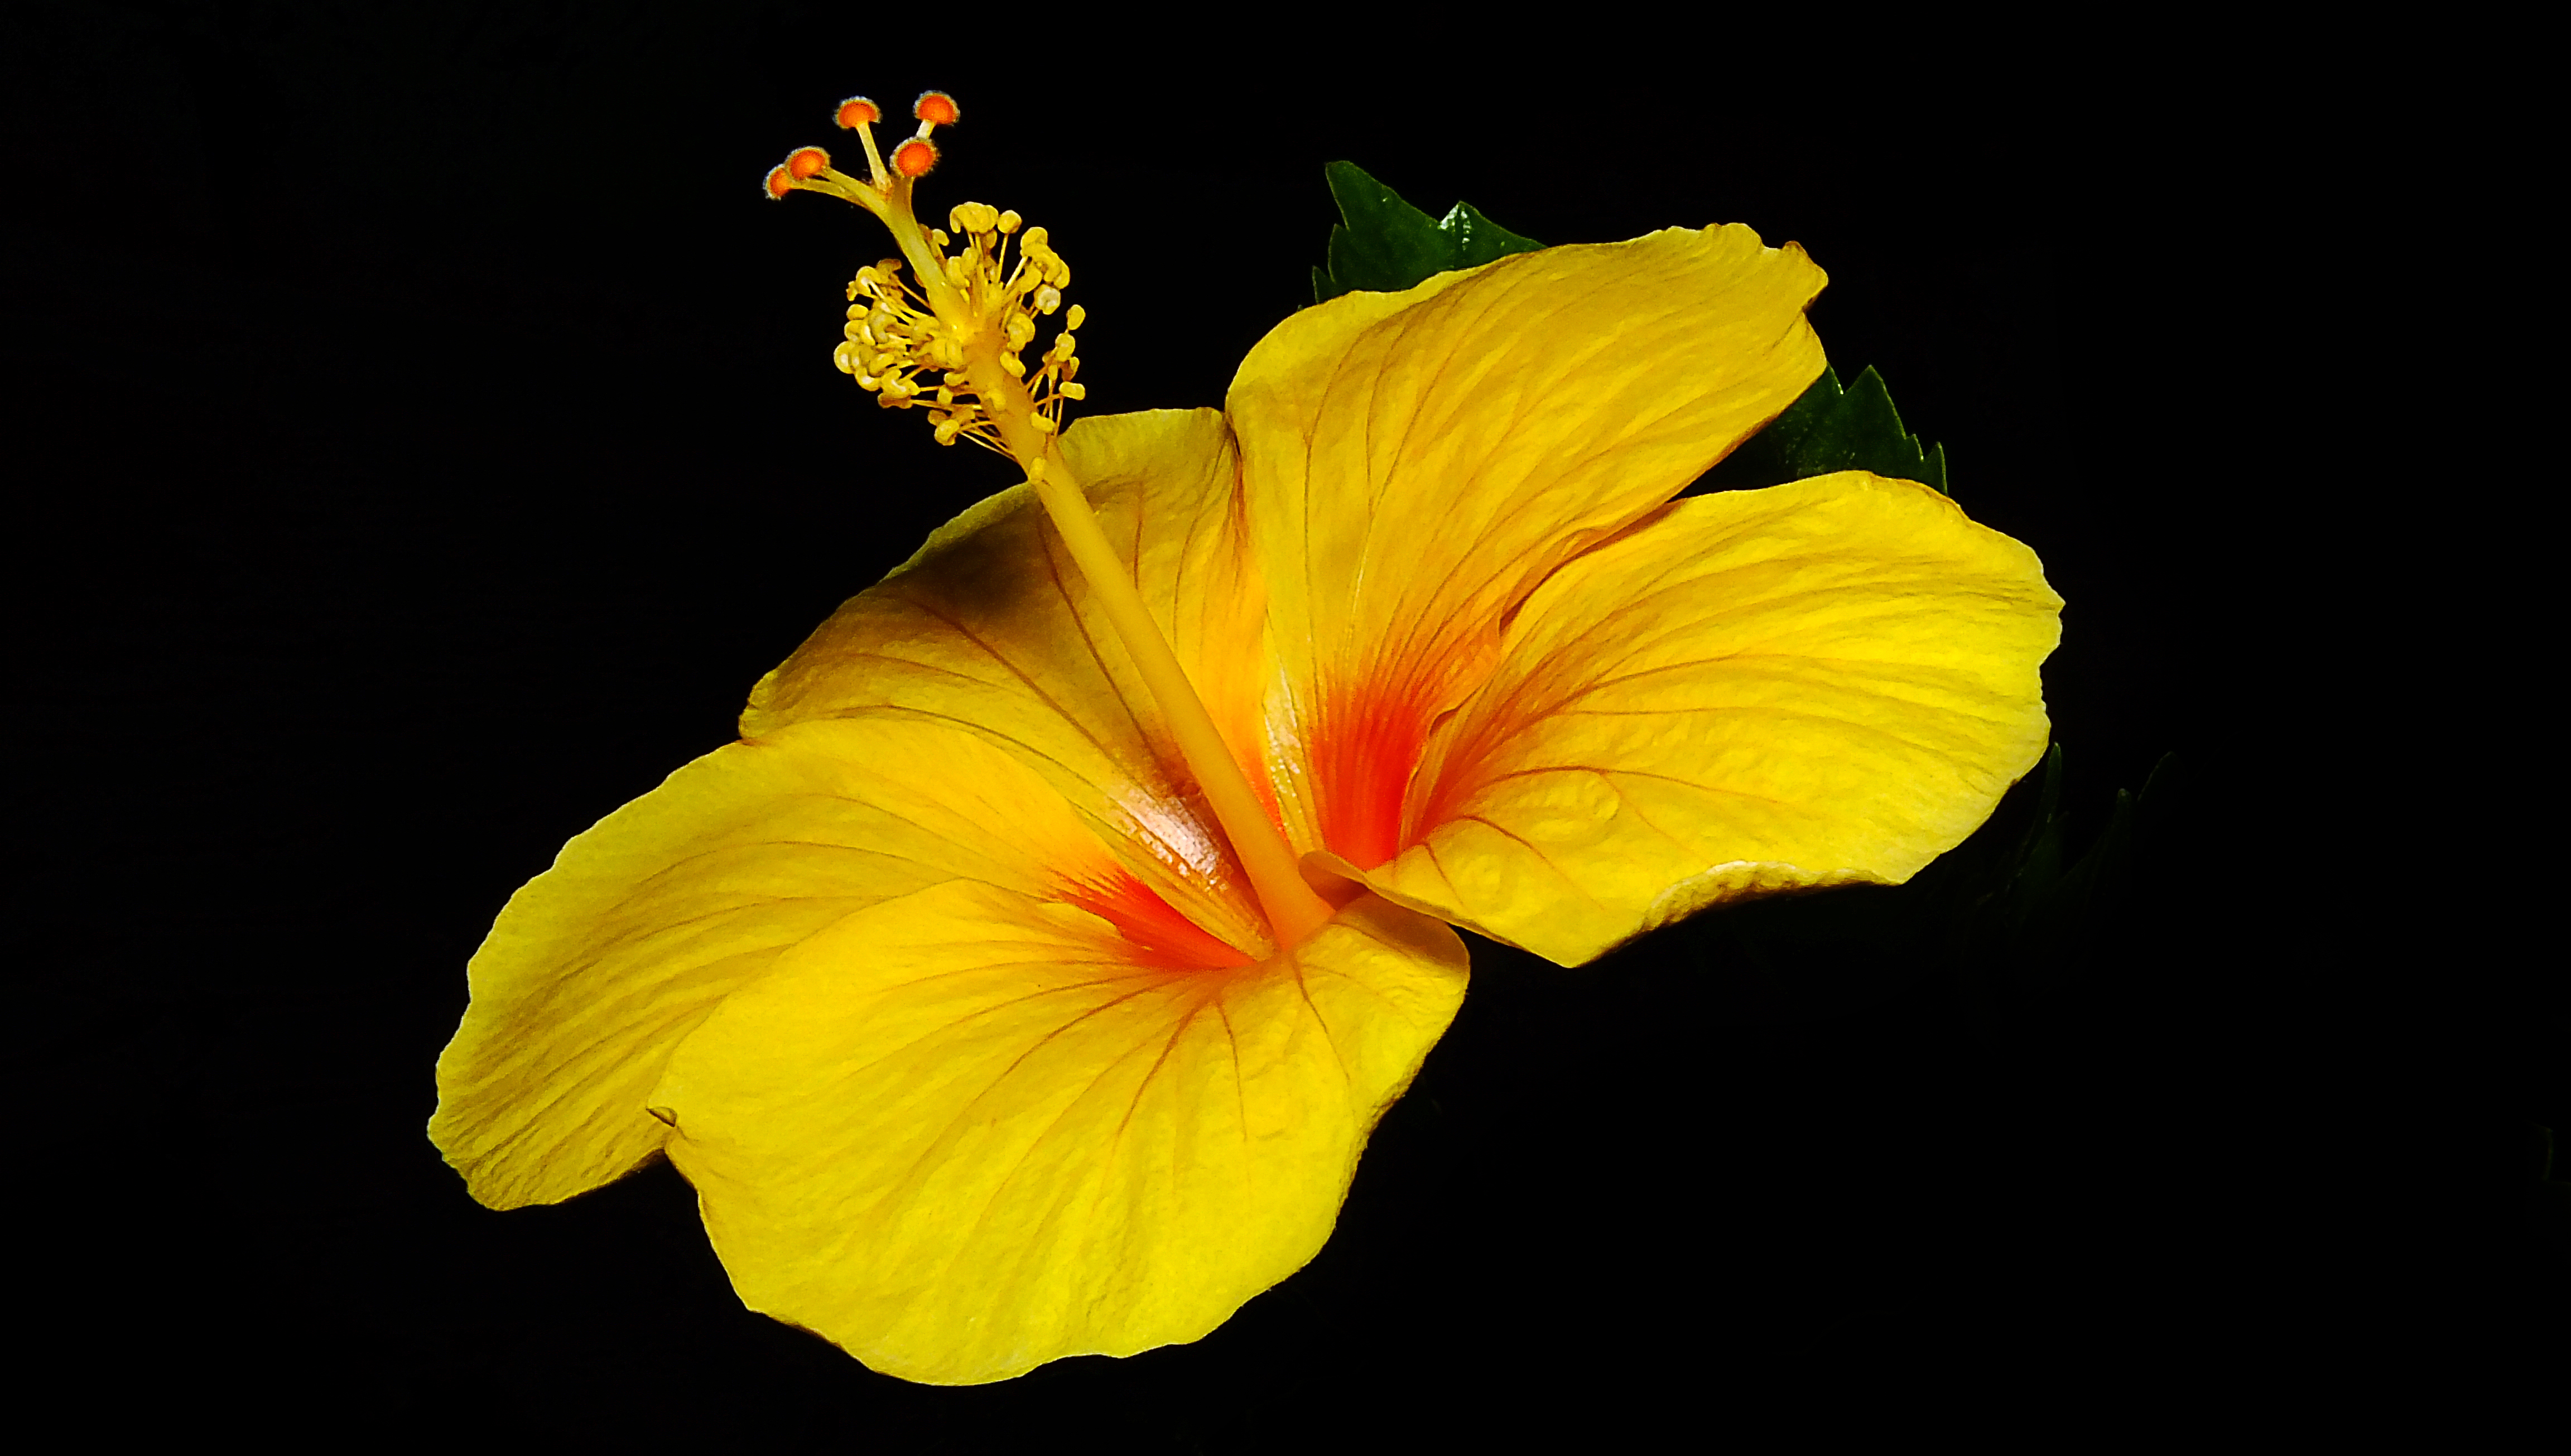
(898, 334)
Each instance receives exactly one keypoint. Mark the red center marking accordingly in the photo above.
(1365, 746)
(1166, 939)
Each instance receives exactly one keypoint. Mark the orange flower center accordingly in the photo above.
(1166, 939)
(1363, 755)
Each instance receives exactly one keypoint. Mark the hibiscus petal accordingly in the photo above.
(990, 629)
(965, 1131)
(1825, 681)
(1416, 462)
(599, 967)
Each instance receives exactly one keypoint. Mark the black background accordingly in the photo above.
(425, 433)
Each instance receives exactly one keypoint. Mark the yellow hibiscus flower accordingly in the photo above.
(1026, 981)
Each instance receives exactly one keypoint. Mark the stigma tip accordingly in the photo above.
(856, 111)
(780, 181)
(936, 107)
(807, 162)
(915, 157)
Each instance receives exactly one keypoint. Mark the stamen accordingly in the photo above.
(1294, 911)
(859, 114)
(950, 338)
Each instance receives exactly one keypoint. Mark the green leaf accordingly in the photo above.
(1826, 429)
(1385, 244)
(2040, 915)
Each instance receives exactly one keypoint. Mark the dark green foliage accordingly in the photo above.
(1829, 429)
(2035, 917)
(1385, 244)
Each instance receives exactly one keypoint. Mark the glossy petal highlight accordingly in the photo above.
(1415, 464)
(965, 1132)
(597, 968)
(991, 630)
(1825, 681)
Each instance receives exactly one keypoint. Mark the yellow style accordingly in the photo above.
(1026, 981)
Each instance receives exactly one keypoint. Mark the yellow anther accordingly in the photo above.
(921, 327)
(1075, 318)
